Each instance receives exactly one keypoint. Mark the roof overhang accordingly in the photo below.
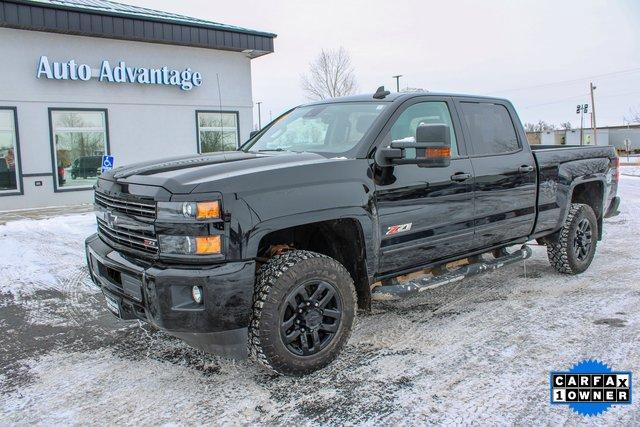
(64, 18)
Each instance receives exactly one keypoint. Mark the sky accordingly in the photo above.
(539, 54)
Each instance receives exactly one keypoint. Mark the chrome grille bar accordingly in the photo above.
(147, 210)
(128, 238)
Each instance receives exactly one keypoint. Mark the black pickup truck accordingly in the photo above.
(267, 251)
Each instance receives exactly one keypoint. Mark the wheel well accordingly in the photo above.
(341, 239)
(591, 194)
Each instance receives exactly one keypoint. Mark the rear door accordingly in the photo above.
(424, 213)
(504, 168)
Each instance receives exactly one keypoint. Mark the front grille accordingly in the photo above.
(137, 208)
(141, 240)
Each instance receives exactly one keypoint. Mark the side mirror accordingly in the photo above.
(431, 147)
(253, 133)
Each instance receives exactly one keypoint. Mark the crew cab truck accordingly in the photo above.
(267, 251)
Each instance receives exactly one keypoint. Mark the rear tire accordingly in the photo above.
(303, 310)
(575, 246)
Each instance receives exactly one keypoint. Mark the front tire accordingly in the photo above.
(575, 247)
(303, 310)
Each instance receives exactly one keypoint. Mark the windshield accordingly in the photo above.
(325, 128)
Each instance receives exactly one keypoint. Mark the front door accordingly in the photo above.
(424, 213)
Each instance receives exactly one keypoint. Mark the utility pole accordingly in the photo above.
(397, 82)
(593, 114)
(259, 116)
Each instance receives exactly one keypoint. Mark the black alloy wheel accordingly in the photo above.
(303, 310)
(582, 240)
(311, 317)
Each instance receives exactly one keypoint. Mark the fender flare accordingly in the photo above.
(599, 177)
(364, 219)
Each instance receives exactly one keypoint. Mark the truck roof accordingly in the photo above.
(401, 96)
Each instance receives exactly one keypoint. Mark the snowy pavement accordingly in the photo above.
(478, 351)
(630, 170)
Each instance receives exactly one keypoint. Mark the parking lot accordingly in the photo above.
(476, 351)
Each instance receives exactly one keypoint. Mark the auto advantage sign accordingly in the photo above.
(120, 72)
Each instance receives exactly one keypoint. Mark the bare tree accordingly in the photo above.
(331, 75)
(541, 126)
(565, 125)
(633, 116)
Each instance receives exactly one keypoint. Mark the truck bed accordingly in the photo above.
(572, 152)
(559, 168)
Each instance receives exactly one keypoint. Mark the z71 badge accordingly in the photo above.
(395, 229)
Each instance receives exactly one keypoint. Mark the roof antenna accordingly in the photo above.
(381, 93)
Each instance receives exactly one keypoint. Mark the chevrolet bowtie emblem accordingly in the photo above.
(111, 219)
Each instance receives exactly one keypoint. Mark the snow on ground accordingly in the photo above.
(476, 351)
(44, 254)
(630, 170)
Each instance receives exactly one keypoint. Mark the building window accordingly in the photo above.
(9, 153)
(79, 140)
(217, 131)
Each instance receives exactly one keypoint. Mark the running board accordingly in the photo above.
(412, 287)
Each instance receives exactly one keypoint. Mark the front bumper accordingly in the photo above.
(161, 295)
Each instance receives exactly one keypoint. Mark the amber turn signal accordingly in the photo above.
(208, 245)
(438, 152)
(207, 210)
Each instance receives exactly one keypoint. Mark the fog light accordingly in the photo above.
(196, 294)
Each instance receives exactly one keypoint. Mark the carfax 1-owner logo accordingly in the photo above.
(591, 387)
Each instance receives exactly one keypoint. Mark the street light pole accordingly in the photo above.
(397, 82)
(582, 108)
(581, 124)
(259, 116)
(593, 114)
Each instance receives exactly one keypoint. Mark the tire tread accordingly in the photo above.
(557, 251)
(267, 278)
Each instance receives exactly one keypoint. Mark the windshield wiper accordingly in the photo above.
(274, 149)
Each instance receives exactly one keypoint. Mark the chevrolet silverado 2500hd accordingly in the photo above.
(269, 249)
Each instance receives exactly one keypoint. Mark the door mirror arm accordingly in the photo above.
(388, 156)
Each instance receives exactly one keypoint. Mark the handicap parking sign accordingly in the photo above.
(107, 163)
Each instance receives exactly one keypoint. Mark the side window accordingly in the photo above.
(430, 112)
(491, 128)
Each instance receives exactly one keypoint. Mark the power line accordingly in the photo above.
(586, 95)
(618, 94)
(559, 101)
(613, 73)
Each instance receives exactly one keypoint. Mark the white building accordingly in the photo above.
(85, 78)
(618, 136)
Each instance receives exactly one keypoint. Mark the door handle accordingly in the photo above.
(525, 168)
(460, 176)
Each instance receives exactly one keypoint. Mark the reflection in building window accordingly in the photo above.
(80, 141)
(217, 131)
(8, 152)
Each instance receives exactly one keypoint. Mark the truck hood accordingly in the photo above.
(205, 172)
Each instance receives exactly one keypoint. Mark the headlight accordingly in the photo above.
(189, 245)
(188, 210)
